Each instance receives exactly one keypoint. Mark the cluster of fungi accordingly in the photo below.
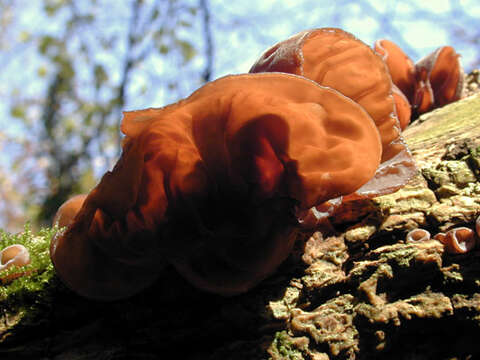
(434, 81)
(219, 184)
(458, 240)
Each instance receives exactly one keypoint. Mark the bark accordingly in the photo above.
(353, 289)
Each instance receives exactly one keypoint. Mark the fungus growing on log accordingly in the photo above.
(334, 58)
(211, 184)
(400, 66)
(458, 240)
(444, 75)
(14, 255)
(434, 81)
(417, 235)
(402, 106)
(68, 210)
(440, 237)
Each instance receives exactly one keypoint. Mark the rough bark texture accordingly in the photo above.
(352, 290)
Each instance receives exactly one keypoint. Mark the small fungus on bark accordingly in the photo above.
(459, 240)
(416, 235)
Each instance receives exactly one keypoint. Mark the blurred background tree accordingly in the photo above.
(70, 67)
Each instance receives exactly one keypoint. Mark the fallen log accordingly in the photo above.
(352, 289)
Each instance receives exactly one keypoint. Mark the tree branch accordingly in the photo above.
(207, 34)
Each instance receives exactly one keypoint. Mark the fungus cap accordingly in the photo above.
(210, 185)
(400, 66)
(459, 240)
(402, 107)
(69, 209)
(443, 74)
(434, 81)
(417, 235)
(14, 255)
(335, 58)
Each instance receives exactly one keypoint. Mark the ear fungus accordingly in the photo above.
(444, 73)
(334, 58)
(459, 240)
(402, 106)
(400, 66)
(434, 81)
(440, 237)
(69, 209)
(14, 255)
(417, 235)
(210, 184)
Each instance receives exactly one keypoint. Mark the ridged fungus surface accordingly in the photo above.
(335, 58)
(211, 185)
(434, 81)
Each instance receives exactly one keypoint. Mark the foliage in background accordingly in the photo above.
(39, 272)
(70, 67)
(88, 64)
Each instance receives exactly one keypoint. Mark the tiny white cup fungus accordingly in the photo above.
(417, 235)
(14, 255)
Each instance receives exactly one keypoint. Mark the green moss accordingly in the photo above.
(27, 289)
(284, 348)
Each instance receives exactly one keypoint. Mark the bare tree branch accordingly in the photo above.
(207, 35)
(132, 39)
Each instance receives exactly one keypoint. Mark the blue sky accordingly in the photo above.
(257, 25)
(421, 35)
